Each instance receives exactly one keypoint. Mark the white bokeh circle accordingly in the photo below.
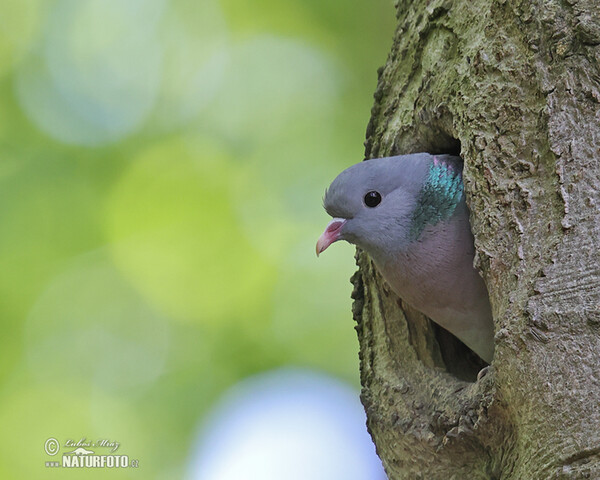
(290, 423)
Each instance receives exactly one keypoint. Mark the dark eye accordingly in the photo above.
(372, 199)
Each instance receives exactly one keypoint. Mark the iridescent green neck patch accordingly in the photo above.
(438, 198)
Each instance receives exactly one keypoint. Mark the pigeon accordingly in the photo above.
(409, 214)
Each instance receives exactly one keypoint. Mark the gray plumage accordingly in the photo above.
(419, 237)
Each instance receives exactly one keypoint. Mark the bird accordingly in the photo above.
(409, 214)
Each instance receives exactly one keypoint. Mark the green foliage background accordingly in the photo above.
(162, 166)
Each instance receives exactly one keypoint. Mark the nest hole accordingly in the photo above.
(458, 359)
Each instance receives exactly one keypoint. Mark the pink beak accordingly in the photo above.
(330, 235)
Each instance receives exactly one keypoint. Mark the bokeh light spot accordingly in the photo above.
(96, 76)
(90, 326)
(270, 81)
(292, 424)
(175, 235)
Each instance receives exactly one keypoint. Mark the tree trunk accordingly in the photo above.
(512, 85)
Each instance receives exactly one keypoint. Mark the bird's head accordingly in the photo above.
(372, 203)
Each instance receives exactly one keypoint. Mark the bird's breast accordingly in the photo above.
(436, 276)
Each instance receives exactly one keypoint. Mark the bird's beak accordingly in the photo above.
(330, 235)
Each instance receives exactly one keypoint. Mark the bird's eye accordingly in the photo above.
(372, 199)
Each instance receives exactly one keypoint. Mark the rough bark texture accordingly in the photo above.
(514, 86)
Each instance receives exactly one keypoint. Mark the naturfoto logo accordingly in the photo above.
(87, 454)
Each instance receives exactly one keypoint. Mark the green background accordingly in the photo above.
(162, 166)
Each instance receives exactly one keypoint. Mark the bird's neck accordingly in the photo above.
(438, 198)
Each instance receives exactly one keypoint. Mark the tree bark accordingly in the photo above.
(512, 85)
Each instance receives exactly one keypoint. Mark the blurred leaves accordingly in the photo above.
(174, 233)
(162, 165)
